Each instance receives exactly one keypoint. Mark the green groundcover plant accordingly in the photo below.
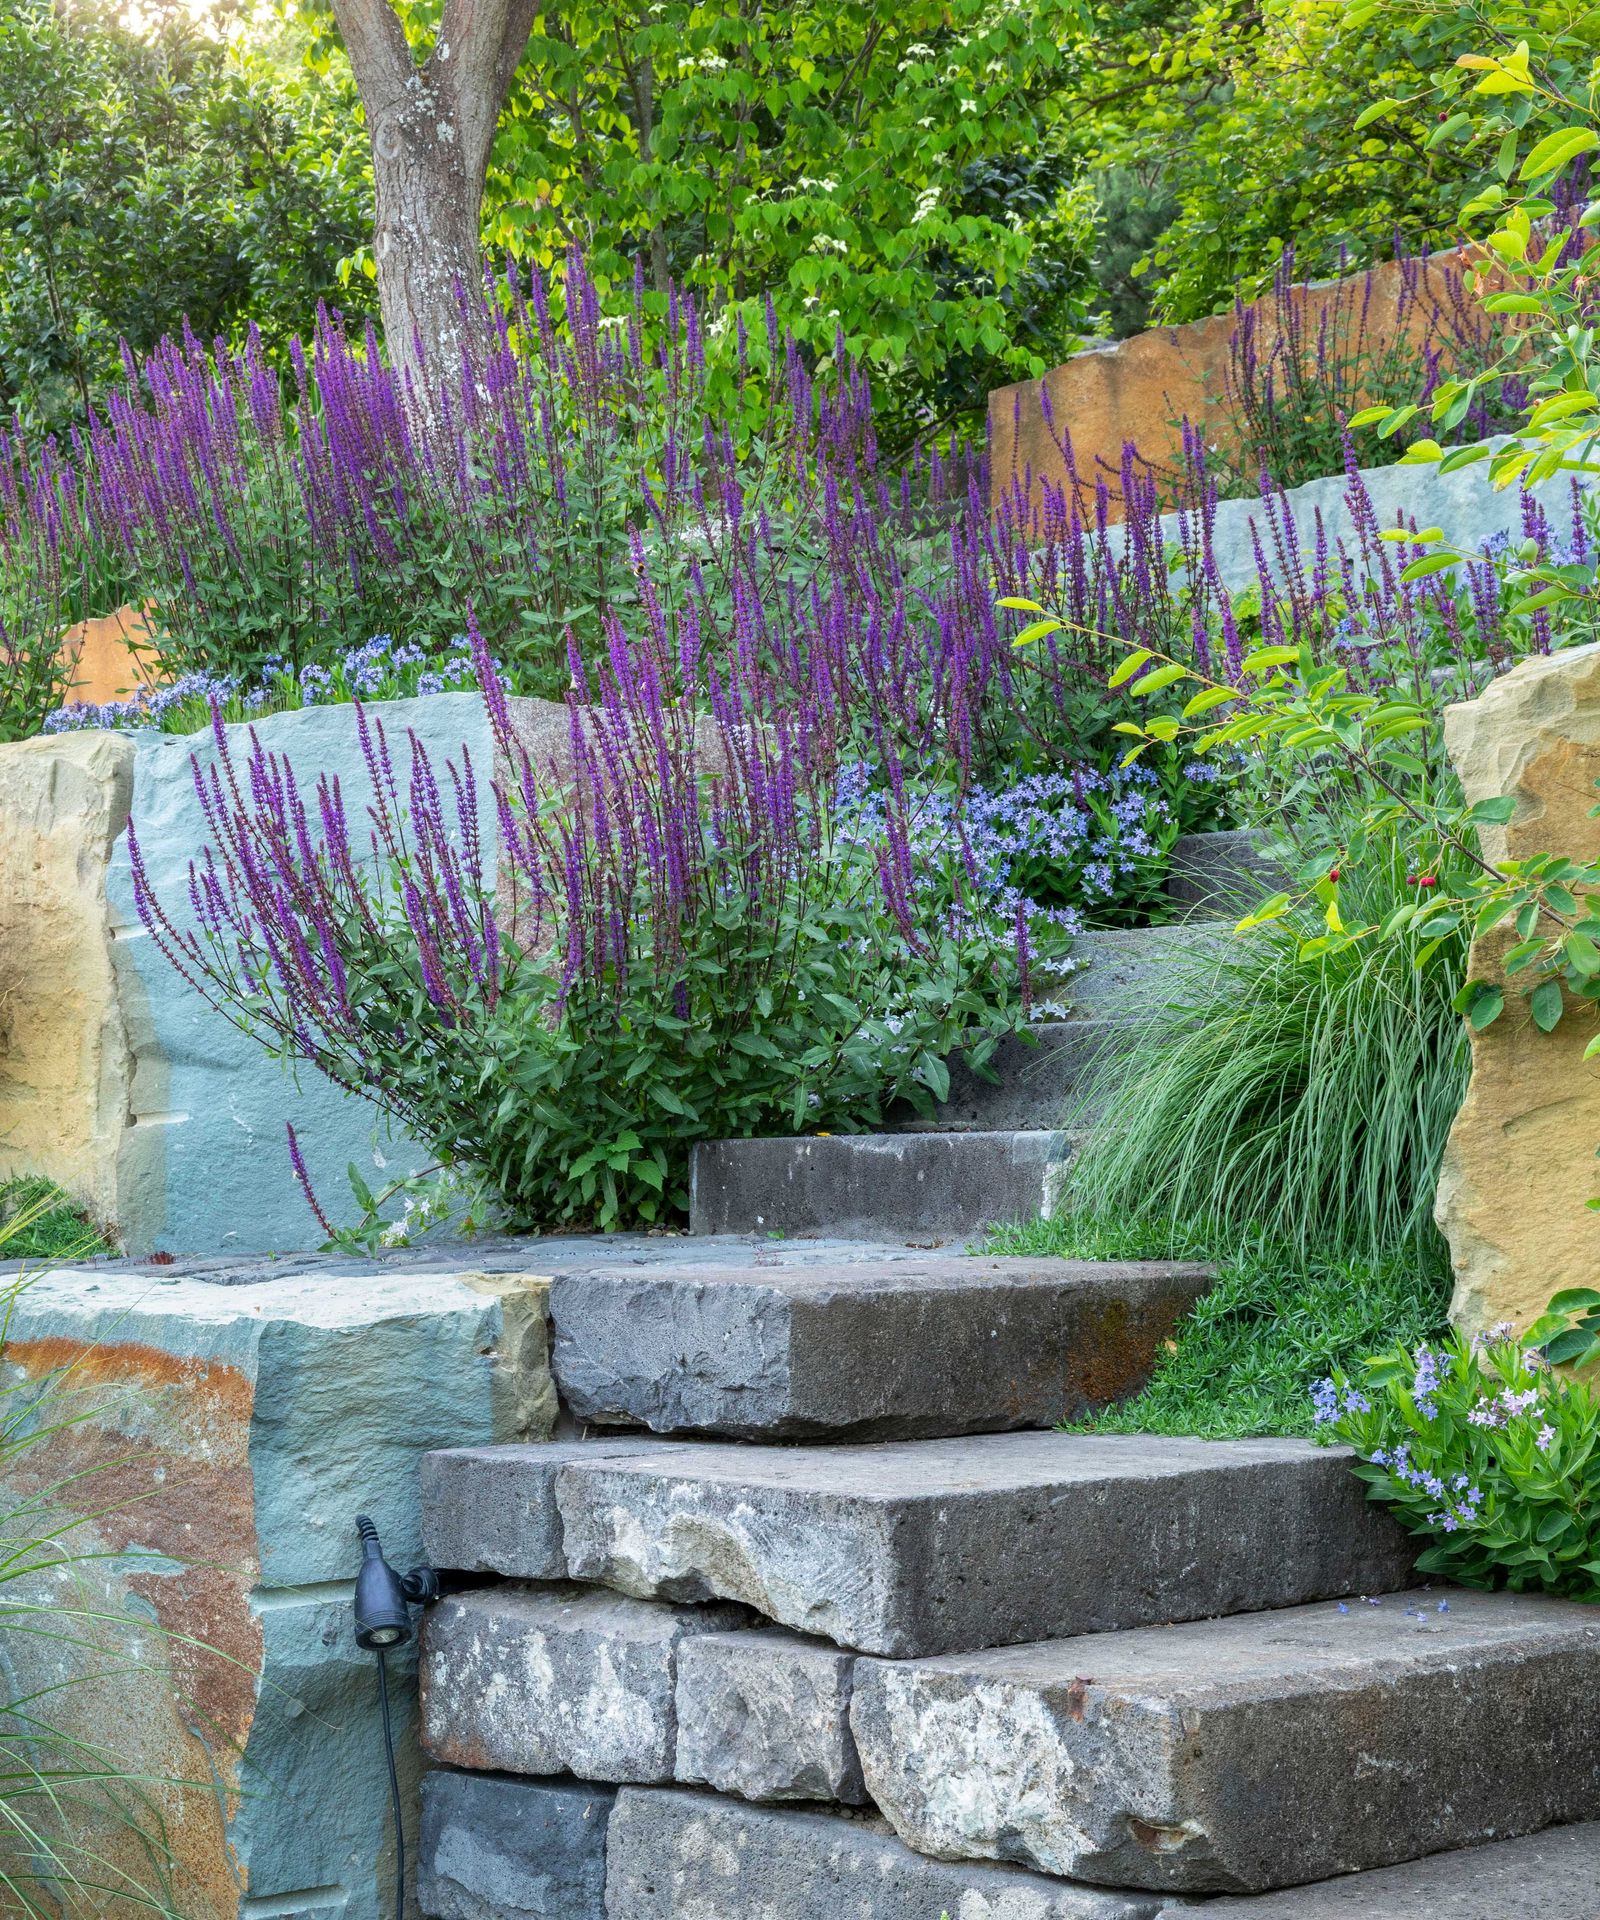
(1279, 1318)
(1484, 1448)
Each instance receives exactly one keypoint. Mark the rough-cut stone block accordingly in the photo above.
(1245, 1754)
(1048, 1077)
(927, 1546)
(1221, 874)
(1548, 1876)
(927, 1187)
(834, 1352)
(1519, 1165)
(213, 1446)
(493, 1509)
(557, 1680)
(498, 1849)
(695, 1856)
(766, 1715)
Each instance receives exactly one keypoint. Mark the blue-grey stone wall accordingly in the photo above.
(205, 1165)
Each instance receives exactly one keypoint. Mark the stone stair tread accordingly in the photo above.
(925, 1546)
(1243, 1754)
(925, 1187)
(1554, 1875)
(905, 1349)
(679, 1855)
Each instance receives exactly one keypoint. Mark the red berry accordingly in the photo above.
(1333, 873)
(1411, 879)
(1428, 880)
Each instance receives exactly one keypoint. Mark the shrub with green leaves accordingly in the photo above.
(689, 940)
(1482, 1448)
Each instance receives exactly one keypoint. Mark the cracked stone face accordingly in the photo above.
(766, 1715)
(557, 1680)
(1243, 1754)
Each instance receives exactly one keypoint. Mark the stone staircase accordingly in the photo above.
(827, 1623)
(998, 1147)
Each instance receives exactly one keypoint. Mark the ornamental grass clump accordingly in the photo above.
(1486, 1451)
(683, 943)
(1292, 1085)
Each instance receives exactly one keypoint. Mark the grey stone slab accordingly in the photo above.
(926, 1546)
(1247, 1754)
(850, 1352)
(1553, 1875)
(766, 1715)
(693, 1856)
(499, 1849)
(923, 1187)
(1044, 1077)
(493, 1510)
(1218, 874)
(557, 1680)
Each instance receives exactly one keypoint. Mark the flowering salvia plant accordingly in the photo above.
(681, 944)
(1481, 1447)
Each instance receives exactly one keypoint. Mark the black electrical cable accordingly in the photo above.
(394, 1793)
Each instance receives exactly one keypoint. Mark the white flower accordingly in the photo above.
(927, 200)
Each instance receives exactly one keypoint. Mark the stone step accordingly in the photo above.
(510, 1849)
(1126, 973)
(1554, 1875)
(925, 1546)
(1222, 875)
(558, 1679)
(922, 1188)
(1047, 1078)
(673, 1855)
(1244, 1754)
(906, 1349)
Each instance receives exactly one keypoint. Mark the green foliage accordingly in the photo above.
(1484, 1450)
(1279, 1317)
(1241, 118)
(1301, 1086)
(881, 175)
(815, 1021)
(148, 180)
(39, 1222)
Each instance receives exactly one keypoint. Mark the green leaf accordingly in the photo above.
(1154, 682)
(1482, 1004)
(1545, 1004)
(1038, 630)
(1557, 150)
(1494, 813)
(1126, 669)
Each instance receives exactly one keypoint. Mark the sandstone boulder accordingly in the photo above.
(1520, 1166)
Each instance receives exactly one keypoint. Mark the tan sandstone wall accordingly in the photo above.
(64, 1059)
(1520, 1165)
(1143, 388)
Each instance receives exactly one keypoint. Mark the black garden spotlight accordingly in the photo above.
(383, 1603)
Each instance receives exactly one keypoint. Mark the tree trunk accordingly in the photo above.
(431, 129)
(425, 239)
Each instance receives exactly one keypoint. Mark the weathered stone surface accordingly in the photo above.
(557, 1680)
(493, 1509)
(1222, 873)
(904, 1350)
(694, 1856)
(923, 1187)
(766, 1715)
(64, 1061)
(1553, 1875)
(1520, 1163)
(214, 1446)
(926, 1546)
(1244, 1754)
(1046, 1078)
(498, 1849)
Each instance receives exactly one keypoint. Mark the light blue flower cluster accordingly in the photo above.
(376, 670)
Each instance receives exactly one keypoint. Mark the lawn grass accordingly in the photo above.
(44, 1224)
(1279, 1318)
